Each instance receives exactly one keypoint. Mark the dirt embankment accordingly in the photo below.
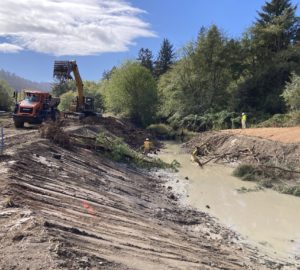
(73, 209)
(123, 129)
(272, 159)
(284, 135)
(239, 146)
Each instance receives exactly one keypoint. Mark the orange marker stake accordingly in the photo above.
(88, 208)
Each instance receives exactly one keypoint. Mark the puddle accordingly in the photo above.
(267, 219)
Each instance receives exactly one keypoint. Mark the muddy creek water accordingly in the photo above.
(265, 218)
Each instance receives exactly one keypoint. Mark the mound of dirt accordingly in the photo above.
(130, 133)
(271, 164)
(246, 149)
(121, 128)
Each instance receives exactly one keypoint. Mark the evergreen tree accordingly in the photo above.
(199, 81)
(165, 58)
(145, 57)
(212, 63)
(272, 54)
(277, 26)
(106, 75)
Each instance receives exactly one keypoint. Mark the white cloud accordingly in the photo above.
(9, 48)
(71, 27)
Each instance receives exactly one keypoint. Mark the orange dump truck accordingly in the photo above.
(35, 108)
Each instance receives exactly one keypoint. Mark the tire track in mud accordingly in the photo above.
(125, 229)
(14, 138)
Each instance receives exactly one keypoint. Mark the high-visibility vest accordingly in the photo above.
(244, 117)
(147, 145)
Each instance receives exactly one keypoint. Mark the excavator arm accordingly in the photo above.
(82, 106)
(62, 71)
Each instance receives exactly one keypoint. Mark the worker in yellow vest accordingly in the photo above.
(147, 146)
(244, 119)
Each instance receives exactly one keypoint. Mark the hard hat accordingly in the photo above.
(147, 139)
(243, 113)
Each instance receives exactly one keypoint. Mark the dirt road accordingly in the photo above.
(73, 209)
(285, 135)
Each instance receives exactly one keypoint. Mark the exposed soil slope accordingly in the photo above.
(241, 147)
(73, 209)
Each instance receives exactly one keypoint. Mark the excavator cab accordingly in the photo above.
(89, 103)
(81, 106)
(87, 107)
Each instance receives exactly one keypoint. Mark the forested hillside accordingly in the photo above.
(18, 83)
(211, 80)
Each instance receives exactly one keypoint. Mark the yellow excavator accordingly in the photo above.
(82, 106)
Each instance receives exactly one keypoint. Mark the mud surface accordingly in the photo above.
(73, 209)
(267, 219)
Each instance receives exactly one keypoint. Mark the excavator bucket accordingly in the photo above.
(62, 70)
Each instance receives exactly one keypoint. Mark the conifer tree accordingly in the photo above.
(277, 25)
(165, 58)
(145, 57)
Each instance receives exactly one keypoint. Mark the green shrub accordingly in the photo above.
(246, 172)
(294, 190)
(175, 120)
(119, 151)
(175, 165)
(162, 131)
(66, 100)
(210, 121)
(131, 91)
(291, 93)
(282, 120)
(6, 96)
(277, 120)
(295, 118)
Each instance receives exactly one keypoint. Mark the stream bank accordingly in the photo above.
(264, 218)
(271, 164)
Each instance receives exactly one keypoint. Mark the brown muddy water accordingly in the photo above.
(265, 218)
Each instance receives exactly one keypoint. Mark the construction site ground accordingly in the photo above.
(285, 135)
(75, 209)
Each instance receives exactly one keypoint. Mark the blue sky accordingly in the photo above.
(102, 33)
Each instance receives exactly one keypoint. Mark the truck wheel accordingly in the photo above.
(19, 123)
(55, 116)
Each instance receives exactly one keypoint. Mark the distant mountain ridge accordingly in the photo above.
(18, 83)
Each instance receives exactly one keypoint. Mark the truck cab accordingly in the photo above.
(35, 108)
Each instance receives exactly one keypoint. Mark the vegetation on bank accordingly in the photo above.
(270, 176)
(131, 91)
(289, 119)
(119, 151)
